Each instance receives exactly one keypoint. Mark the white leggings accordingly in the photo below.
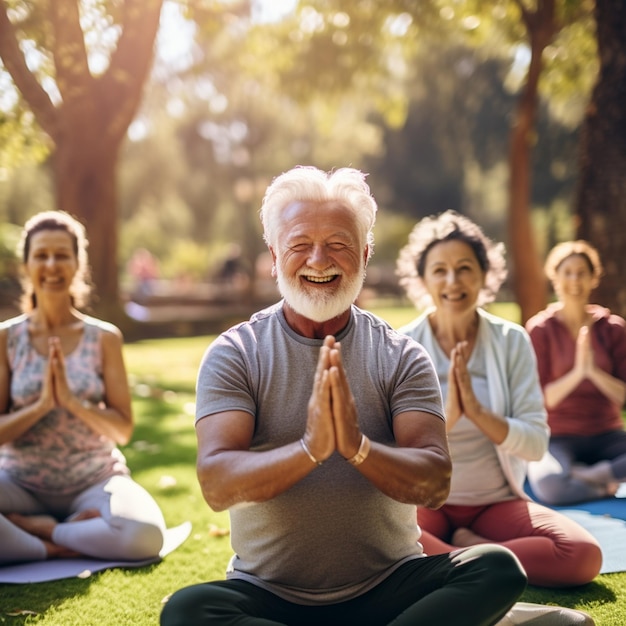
(131, 526)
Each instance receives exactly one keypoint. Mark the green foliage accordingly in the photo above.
(24, 191)
(388, 87)
(188, 259)
(21, 141)
(9, 238)
(391, 232)
(571, 70)
(9, 264)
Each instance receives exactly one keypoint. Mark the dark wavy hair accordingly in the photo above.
(449, 226)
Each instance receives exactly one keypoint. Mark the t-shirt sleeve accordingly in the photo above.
(417, 386)
(223, 382)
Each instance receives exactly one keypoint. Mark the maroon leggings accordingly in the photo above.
(554, 550)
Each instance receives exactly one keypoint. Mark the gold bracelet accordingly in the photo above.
(364, 450)
(308, 452)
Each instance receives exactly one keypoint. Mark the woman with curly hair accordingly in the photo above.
(496, 420)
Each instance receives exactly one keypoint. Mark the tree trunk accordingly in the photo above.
(89, 126)
(85, 178)
(528, 281)
(601, 195)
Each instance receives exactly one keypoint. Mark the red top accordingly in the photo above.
(585, 411)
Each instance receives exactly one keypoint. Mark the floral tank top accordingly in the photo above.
(60, 454)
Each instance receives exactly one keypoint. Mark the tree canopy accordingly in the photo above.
(422, 95)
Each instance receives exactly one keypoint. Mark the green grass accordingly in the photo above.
(162, 457)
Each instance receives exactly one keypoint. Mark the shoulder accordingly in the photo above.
(607, 326)
(13, 332)
(265, 314)
(602, 315)
(542, 320)
(256, 325)
(503, 330)
(8, 327)
(108, 334)
(365, 321)
(499, 323)
(12, 322)
(244, 339)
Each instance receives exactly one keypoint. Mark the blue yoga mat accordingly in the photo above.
(610, 533)
(606, 521)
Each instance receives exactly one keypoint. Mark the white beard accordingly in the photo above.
(320, 307)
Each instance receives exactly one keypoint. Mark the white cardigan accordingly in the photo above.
(514, 390)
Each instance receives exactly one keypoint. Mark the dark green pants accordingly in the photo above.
(474, 587)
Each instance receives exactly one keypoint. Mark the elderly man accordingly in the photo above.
(321, 429)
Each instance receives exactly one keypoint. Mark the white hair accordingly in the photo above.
(308, 183)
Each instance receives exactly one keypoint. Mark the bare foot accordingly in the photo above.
(41, 526)
(38, 525)
(83, 515)
(464, 537)
(598, 475)
(55, 551)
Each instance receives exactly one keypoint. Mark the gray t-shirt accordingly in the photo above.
(333, 535)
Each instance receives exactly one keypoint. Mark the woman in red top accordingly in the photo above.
(581, 354)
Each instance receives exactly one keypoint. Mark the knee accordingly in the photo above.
(496, 566)
(182, 608)
(586, 562)
(552, 489)
(138, 540)
(172, 614)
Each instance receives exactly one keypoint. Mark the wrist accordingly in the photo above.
(362, 453)
(308, 452)
(75, 405)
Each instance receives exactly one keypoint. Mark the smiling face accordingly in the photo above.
(319, 259)
(452, 276)
(51, 263)
(574, 279)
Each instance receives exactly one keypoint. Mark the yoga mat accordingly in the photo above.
(606, 520)
(610, 533)
(614, 507)
(55, 569)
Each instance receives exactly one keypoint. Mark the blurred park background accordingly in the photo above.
(159, 124)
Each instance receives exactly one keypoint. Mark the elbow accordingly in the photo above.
(437, 497)
(539, 452)
(214, 504)
(532, 447)
(440, 494)
(124, 435)
(212, 489)
(122, 440)
(437, 487)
